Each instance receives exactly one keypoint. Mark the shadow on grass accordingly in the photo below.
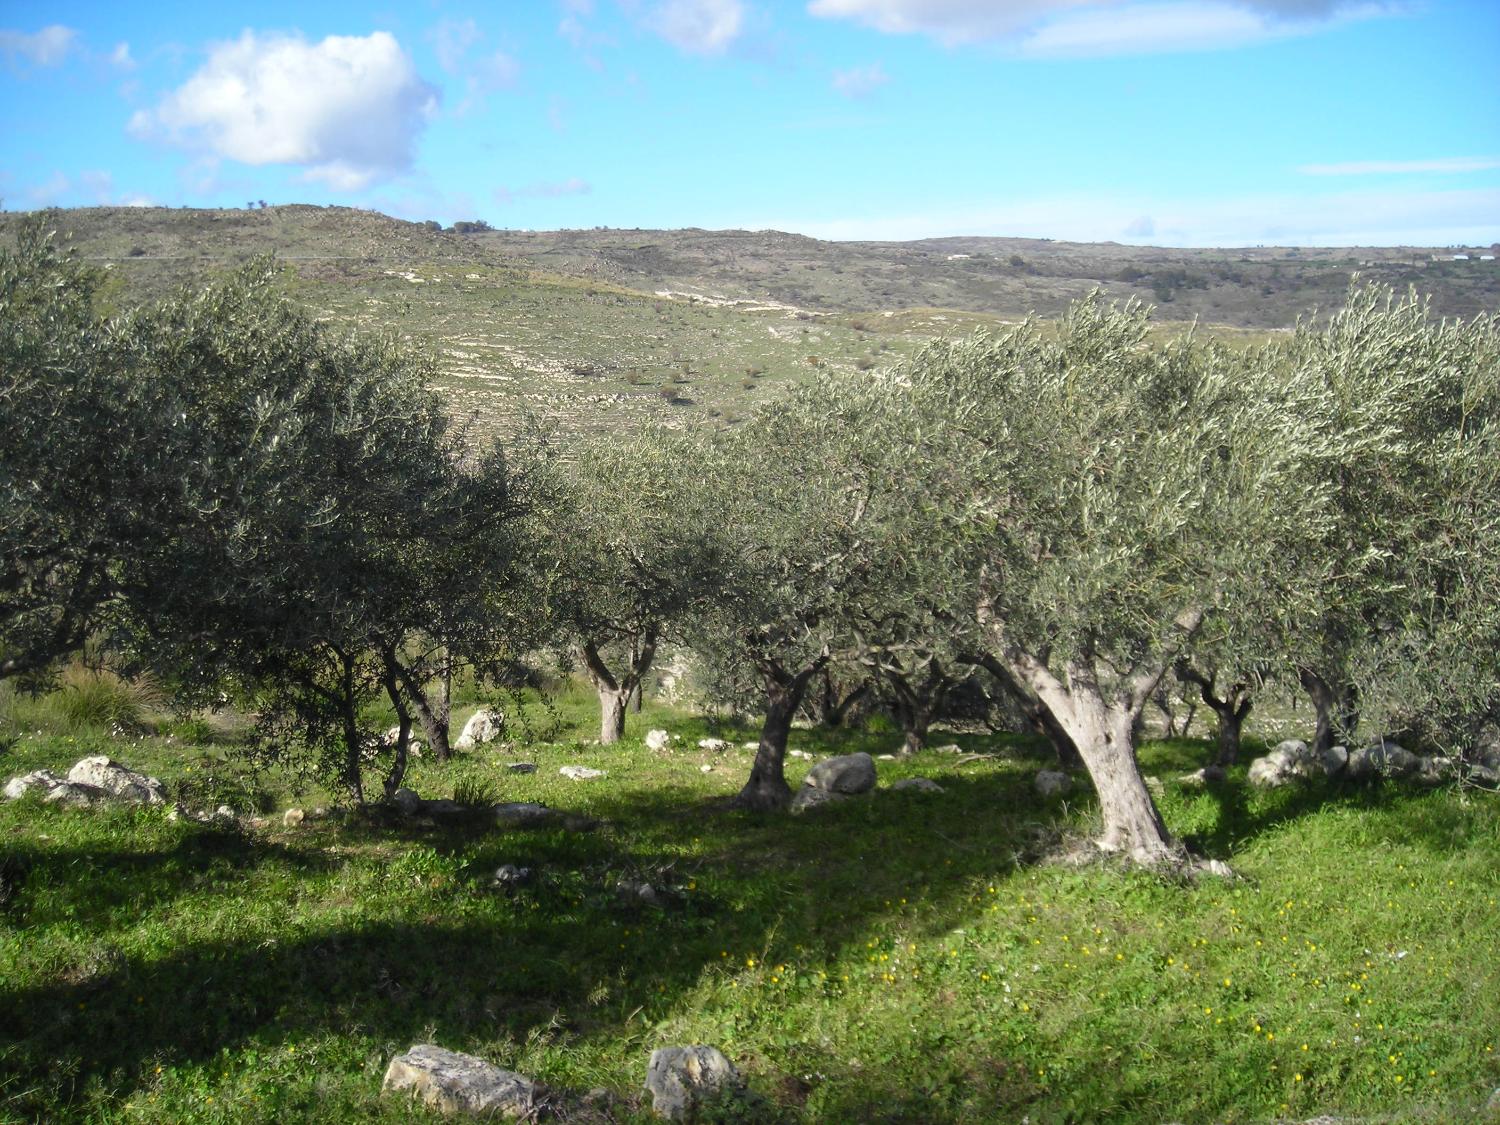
(435, 952)
(447, 957)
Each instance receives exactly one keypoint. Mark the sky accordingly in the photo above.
(1162, 122)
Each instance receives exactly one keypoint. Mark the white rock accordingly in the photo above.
(802, 755)
(1052, 783)
(44, 780)
(76, 795)
(886, 757)
(951, 748)
(485, 725)
(749, 745)
(293, 818)
(715, 745)
(117, 781)
(581, 773)
(705, 768)
(847, 773)
(657, 740)
(457, 1083)
(1208, 775)
(679, 1078)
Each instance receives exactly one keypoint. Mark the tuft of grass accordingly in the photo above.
(89, 698)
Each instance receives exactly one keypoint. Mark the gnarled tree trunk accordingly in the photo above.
(1336, 706)
(615, 692)
(1041, 719)
(432, 714)
(391, 679)
(916, 701)
(1102, 723)
(767, 790)
(1230, 709)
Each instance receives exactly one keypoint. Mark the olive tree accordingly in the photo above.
(84, 447)
(799, 517)
(325, 524)
(630, 560)
(1108, 496)
(1416, 402)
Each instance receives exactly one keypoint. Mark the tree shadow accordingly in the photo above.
(570, 956)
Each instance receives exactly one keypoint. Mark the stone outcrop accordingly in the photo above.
(458, 1083)
(679, 1079)
(485, 725)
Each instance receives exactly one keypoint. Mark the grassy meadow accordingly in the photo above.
(905, 957)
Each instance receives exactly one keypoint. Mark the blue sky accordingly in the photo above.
(1173, 122)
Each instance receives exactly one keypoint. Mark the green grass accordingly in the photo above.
(898, 958)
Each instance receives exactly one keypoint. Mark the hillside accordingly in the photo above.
(592, 328)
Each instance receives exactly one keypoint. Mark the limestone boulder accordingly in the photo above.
(714, 745)
(118, 782)
(43, 781)
(524, 814)
(809, 797)
(658, 740)
(1383, 758)
(679, 1079)
(456, 1083)
(485, 725)
(581, 773)
(849, 774)
(1208, 775)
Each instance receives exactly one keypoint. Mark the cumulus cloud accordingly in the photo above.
(1097, 27)
(120, 58)
(700, 27)
(1446, 166)
(348, 109)
(47, 47)
(861, 81)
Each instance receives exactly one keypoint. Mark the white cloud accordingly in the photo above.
(700, 27)
(349, 109)
(1051, 28)
(1449, 165)
(1369, 218)
(120, 57)
(861, 81)
(47, 47)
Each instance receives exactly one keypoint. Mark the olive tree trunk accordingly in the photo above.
(1041, 719)
(1336, 707)
(433, 713)
(767, 790)
(1230, 709)
(916, 701)
(616, 692)
(1101, 720)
